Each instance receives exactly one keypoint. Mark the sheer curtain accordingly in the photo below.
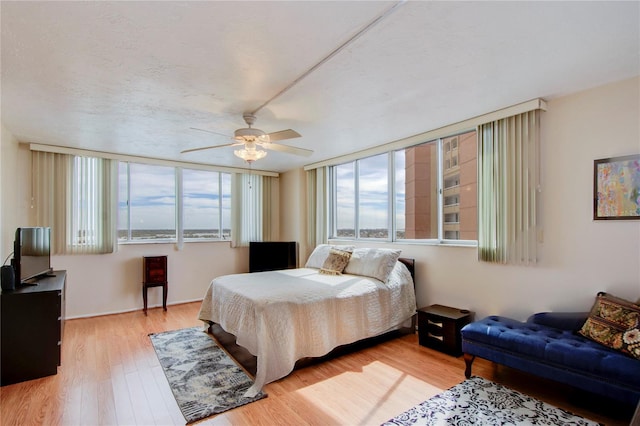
(316, 208)
(508, 186)
(246, 209)
(270, 200)
(76, 197)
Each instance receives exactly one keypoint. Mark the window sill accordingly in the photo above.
(136, 242)
(450, 243)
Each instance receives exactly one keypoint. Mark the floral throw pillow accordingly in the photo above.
(614, 322)
(335, 262)
(631, 341)
(321, 252)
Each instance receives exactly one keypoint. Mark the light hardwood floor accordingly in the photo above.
(111, 375)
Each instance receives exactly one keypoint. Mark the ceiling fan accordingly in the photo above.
(253, 139)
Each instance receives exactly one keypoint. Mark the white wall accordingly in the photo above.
(8, 191)
(579, 256)
(109, 283)
(293, 210)
(4, 134)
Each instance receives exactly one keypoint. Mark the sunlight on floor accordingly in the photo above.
(377, 393)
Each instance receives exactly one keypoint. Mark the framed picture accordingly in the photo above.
(616, 188)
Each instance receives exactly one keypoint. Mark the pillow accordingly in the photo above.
(320, 254)
(374, 263)
(610, 320)
(335, 262)
(631, 341)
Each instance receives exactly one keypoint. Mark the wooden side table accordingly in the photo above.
(154, 274)
(439, 328)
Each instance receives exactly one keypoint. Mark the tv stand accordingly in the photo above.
(32, 325)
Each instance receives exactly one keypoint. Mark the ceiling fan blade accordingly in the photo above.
(210, 147)
(286, 148)
(210, 131)
(283, 134)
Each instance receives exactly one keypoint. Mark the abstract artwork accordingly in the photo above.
(616, 188)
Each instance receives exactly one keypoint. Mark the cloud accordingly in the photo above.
(153, 197)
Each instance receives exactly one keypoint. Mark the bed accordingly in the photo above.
(286, 315)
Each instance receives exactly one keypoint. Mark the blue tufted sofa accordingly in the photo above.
(547, 345)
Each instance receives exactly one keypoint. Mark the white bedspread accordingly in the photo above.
(283, 316)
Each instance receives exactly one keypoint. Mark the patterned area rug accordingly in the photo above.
(477, 401)
(203, 378)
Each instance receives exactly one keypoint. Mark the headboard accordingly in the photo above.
(411, 266)
(272, 255)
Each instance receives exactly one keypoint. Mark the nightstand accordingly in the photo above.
(154, 274)
(439, 328)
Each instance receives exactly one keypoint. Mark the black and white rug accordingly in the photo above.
(478, 401)
(203, 378)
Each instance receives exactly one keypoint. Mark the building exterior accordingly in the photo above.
(459, 189)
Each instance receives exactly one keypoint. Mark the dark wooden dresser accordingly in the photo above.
(32, 327)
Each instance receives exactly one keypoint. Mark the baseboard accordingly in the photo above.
(129, 310)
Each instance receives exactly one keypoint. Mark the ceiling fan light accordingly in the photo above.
(250, 155)
(248, 133)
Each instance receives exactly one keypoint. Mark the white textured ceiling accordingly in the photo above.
(134, 77)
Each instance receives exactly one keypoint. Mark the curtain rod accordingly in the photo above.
(146, 160)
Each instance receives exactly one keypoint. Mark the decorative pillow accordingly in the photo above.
(320, 254)
(374, 263)
(335, 262)
(611, 322)
(631, 341)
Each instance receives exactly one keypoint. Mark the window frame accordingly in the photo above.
(179, 209)
(392, 196)
(220, 208)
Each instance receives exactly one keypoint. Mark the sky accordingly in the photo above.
(153, 198)
(153, 195)
(373, 191)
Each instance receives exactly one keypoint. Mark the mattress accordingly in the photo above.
(283, 316)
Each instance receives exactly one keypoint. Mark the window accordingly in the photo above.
(373, 197)
(451, 200)
(399, 199)
(345, 217)
(149, 211)
(362, 198)
(147, 207)
(85, 217)
(451, 218)
(433, 193)
(75, 196)
(419, 166)
(123, 201)
(90, 222)
(206, 203)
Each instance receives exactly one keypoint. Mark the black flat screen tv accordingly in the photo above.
(272, 255)
(31, 253)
